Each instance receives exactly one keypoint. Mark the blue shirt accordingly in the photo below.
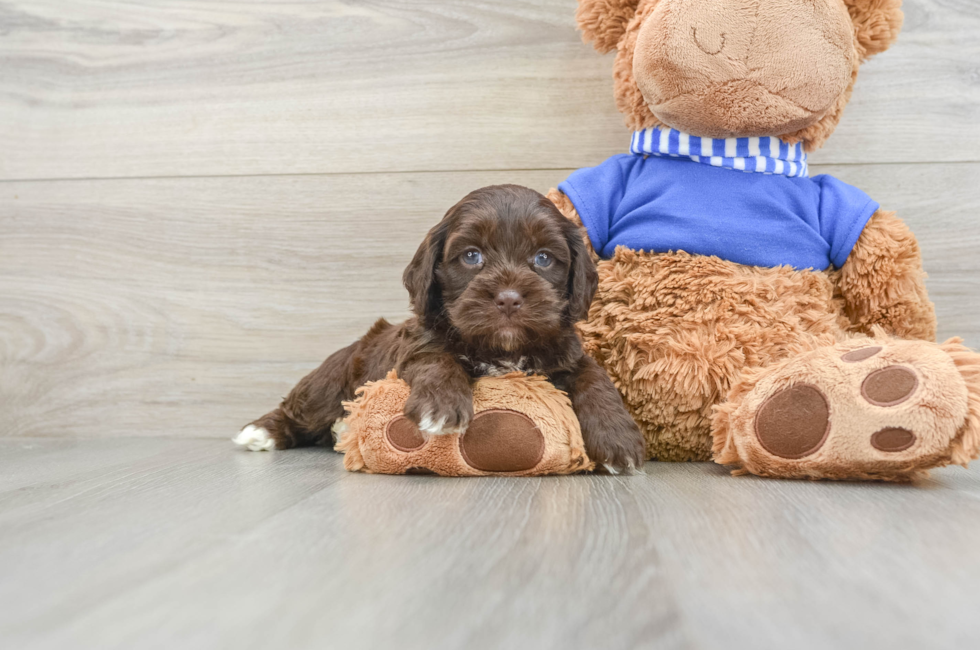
(661, 204)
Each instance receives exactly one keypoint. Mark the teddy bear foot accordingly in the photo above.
(522, 426)
(865, 409)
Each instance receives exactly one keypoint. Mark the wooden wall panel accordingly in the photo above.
(112, 88)
(188, 306)
(199, 201)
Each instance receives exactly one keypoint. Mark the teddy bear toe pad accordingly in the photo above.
(892, 439)
(889, 386)
(851, 411)
(403, 435)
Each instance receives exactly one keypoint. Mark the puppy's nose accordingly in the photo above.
(509, 301)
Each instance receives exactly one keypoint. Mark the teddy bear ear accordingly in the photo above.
(604, 21)
(876, 24)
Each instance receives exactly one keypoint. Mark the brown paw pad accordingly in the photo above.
(861, 354)
(403, 434)
(500, 440)
(892, 439)
(794, 422)
(889, 386)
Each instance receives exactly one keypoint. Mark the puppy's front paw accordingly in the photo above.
(255, 438)
(615, 449)
(440, 411)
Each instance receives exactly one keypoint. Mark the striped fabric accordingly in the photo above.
(767, 155)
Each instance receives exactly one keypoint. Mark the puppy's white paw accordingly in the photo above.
(339, 428)
(431, 427)
(629, 470)
(255, 438)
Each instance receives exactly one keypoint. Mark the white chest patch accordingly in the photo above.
(499, 368)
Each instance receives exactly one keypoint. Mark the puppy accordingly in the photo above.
(496, 287)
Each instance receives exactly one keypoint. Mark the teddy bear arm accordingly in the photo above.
(567, 208)
(883, 284)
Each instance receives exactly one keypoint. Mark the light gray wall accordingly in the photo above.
(199, 201)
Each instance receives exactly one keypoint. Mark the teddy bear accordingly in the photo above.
(747, 312)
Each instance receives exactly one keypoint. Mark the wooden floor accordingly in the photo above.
(152, 543)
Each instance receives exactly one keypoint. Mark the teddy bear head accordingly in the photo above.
(739, 68)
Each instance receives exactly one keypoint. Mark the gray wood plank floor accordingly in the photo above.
(155, 543)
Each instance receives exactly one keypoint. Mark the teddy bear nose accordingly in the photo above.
(509, 301)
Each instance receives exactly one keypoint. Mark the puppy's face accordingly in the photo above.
(505, 269)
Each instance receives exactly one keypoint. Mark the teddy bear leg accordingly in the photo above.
(522, 426)
(870, 409)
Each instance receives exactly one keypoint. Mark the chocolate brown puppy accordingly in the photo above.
(496, 286)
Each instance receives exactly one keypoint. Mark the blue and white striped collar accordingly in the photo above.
(766, 155)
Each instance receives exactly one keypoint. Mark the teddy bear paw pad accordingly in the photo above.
(403, 435)
(889, 386)
(892, 439)
(861, 354)
(794, 422)
(852, 411)
(499, 440)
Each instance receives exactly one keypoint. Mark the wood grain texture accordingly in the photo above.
(190, 306)
(110, 88)
(276, 165)
(166, 543)
(187, 307)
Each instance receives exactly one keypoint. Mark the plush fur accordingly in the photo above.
(364, 437)
(616, 24)
(496, 286)
(684, 336)
(946, 397)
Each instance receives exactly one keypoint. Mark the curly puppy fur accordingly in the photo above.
(496, 286)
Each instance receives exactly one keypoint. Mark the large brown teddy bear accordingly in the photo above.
(747, 312)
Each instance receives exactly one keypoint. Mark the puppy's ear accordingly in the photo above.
(583, 278)
(424, 292)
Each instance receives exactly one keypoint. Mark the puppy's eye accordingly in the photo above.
(542, 260)
(472, 257)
